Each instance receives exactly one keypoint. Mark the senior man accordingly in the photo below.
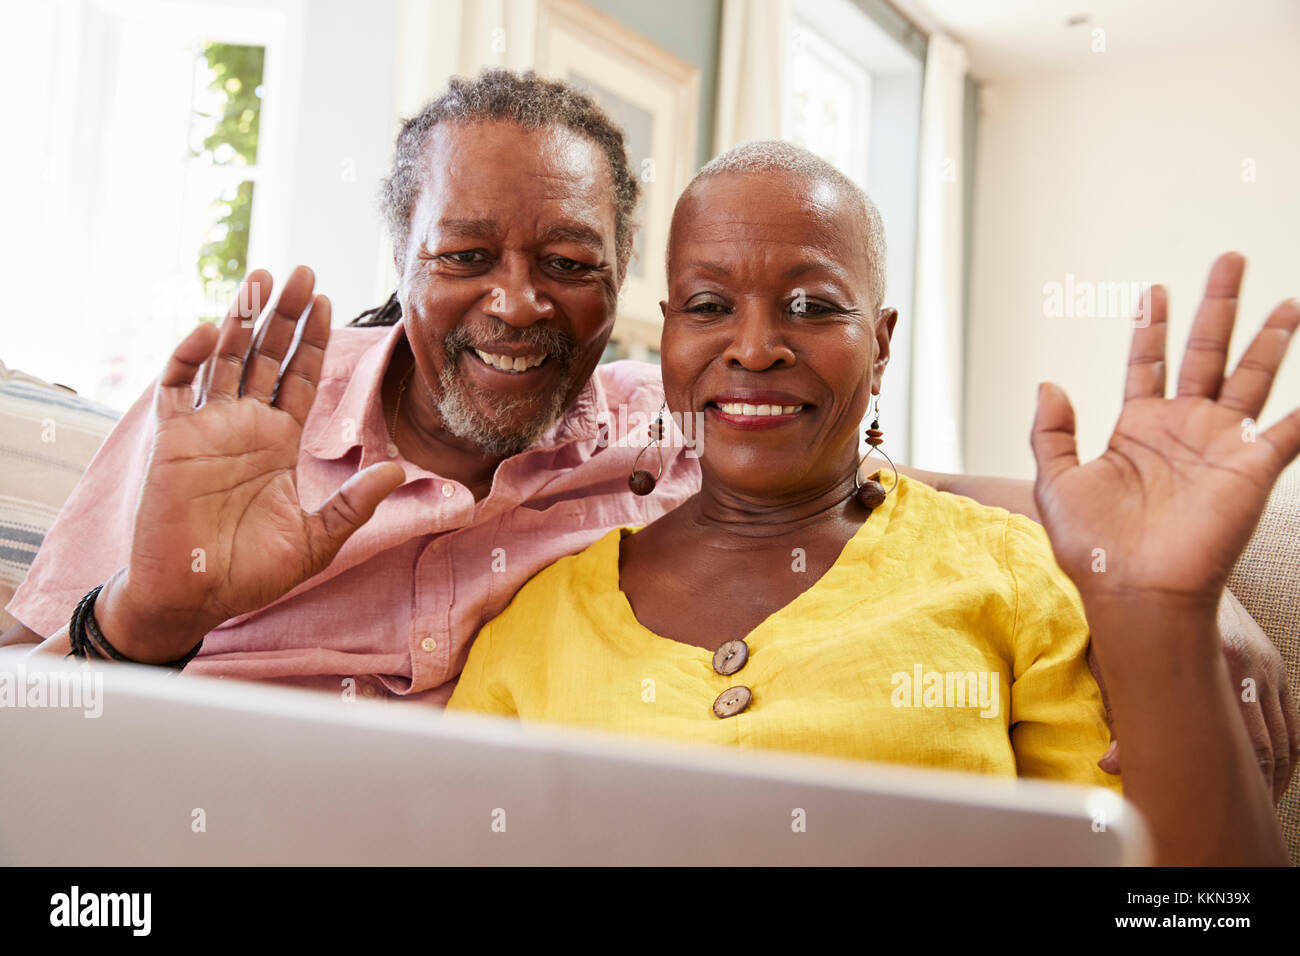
(359, 505)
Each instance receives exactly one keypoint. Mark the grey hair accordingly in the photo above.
(764, 155)
(528, 101)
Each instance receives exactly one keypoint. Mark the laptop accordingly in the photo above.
(130, 766)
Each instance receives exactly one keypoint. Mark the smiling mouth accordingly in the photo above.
(512, 364)
(756, 411)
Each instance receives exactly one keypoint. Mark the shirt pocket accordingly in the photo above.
(558, 517)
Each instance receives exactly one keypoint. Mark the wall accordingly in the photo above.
(1124, 173)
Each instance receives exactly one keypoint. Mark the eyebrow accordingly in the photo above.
(487, 229)
(468, 228)
(795, 272)
(716, 268)
(575, 232)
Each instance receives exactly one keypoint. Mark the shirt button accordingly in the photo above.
(429, 644)
(367, 691)
(392, 450)
(448, 490)
(732, 701)
(730, 657)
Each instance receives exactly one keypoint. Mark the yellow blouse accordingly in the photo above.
(944, 635)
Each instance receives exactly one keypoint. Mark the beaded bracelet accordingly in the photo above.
(88, 641)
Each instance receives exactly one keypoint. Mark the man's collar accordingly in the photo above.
(358, 418)
(580, 420)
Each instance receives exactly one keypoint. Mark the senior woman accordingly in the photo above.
(784, 607)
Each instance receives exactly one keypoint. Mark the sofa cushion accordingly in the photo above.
(1266, 581)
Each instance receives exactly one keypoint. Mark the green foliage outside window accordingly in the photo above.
(237, 81)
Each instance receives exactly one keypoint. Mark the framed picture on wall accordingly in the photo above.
(655, 97)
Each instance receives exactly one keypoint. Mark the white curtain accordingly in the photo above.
(937, 333)
(439, 39)
(752, 67)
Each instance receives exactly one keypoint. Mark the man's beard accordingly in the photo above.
(498, 432)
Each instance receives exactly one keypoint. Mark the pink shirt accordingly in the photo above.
(400, 605)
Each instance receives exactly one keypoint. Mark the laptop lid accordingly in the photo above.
(128, 765)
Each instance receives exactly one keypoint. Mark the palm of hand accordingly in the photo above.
(237, 538)
(1177, 491)
(1169, 506)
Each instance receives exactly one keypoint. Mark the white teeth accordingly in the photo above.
(510, 363)
(739, 408)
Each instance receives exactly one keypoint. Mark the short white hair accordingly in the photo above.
(766, 155)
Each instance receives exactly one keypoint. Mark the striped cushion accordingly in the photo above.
(48, 434)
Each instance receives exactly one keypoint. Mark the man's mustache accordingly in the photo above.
(543, 339)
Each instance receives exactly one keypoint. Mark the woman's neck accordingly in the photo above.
(747, 521)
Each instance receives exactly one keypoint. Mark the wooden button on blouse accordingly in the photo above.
(730, 657)
(732, 701)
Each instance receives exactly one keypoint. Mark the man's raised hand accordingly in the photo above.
(222, 477)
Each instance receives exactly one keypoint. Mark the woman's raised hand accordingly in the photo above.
(1149, 532)
(1166, 510)
(221, 481)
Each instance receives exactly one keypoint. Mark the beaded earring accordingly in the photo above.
(641, 481)
(871, 493)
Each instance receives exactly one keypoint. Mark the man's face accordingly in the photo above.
(510, 281)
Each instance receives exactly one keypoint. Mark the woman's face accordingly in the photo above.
(769, 310)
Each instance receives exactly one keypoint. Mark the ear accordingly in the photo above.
(889, 318)
(884, 333)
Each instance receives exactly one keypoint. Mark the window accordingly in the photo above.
(828, 103)
(156, 129)
(221, 182)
